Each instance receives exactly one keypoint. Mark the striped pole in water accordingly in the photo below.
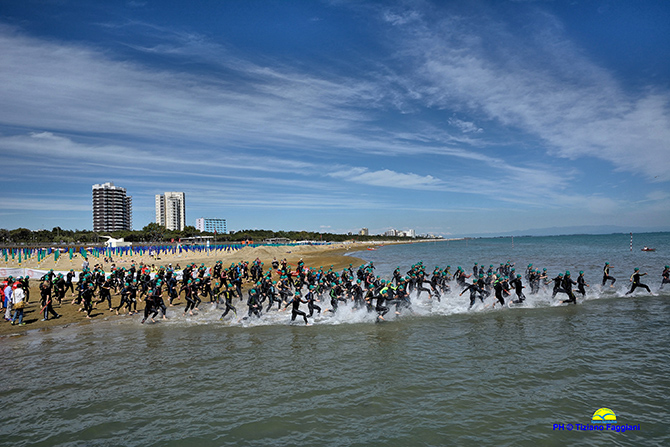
(631, 242)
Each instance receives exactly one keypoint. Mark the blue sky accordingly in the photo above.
(449, 118)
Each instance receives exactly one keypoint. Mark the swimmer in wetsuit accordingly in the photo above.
(606, 275)
(381, 298)
(310, 298)
(665, 275)
(295, 310)
(581, 283)
(227, 295)
(518, 288)
(474, 290)
(567, 289)
(499, 287)
(635, 279)
(558, 282)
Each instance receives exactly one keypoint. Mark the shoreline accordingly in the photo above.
(316, 256)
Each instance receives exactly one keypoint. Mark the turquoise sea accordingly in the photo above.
(444, 375)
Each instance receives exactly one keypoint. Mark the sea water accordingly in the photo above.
(444, 375)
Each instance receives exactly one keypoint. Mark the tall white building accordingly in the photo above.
(171, 210)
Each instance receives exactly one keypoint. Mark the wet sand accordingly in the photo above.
(313, 257)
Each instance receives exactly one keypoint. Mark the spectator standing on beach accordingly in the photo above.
(8, 300)
(18, 303)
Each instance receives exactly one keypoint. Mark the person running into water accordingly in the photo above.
(295, 310)
(518, 288)
(46, 301)
(635, 279)
(310, 302)
(474, 290)
(558, 282)
(666, 276)
(567, 289)
(581, 283)
(606, 275)
(500, 287)
(125, 300)
(188, 296)
(227, 294)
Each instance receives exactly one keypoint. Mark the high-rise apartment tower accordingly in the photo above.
(171, 210)
(112, 208)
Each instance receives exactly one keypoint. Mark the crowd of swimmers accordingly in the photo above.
(287, 288)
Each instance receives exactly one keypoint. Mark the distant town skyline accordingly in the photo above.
(447, 118)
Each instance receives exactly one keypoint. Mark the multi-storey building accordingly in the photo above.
(171, 210)
(112, 208)
(211, 225)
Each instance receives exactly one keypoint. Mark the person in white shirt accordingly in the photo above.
(18, 303)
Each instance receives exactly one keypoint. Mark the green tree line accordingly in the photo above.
(154, 233)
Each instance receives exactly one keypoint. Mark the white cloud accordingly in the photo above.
(543, 85)
(388, 178)
(465, 126)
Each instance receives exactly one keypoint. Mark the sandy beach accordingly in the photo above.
(314, 256)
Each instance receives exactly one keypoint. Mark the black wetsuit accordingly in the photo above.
(666, 277)
(335, 296)
(272, 298)
(567, 289)
(45, 291)
(295, 310)
(401, 298)
(159, 304)
(149, 306)
(227, 301)
(558, 282)
(606, 275)
(380, 308)
(68, 282)
(474, 290)
(581, 283)
(310, 298)
(105, 293)
(499, 288)
(518, 288)
(86, 297)
(254, 303)
(635, 278)
(125, 292)
(188, 296)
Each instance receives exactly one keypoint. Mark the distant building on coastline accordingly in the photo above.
(211, 225)
(396, 233)
(171, 210)
(112, 208)
(364, 232)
